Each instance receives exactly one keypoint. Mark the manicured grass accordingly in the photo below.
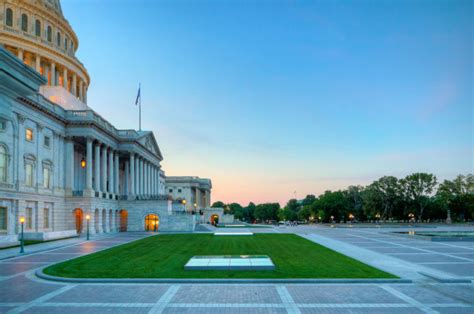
(164, 256)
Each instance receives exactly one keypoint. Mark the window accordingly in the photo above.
(3, 125)
(171, 190)
(46, 178)
(65, 43)
(179, 190)
(24, 22)
(38, 28)
(3, 219)
(49, 33)
(47, 141)
(46, 218)
(29, 218)
(29, 135)
(3, 164)
(29, 174)
(58, 39)
(9, 17)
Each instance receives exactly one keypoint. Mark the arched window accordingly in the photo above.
(58, 39)
(9, 17)
(38, 28)
(3, 164)
(65, 43)
(24, 22)
(49, 33)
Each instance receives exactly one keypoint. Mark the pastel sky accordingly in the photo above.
(271, 97)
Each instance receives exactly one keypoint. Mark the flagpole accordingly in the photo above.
(140, 108)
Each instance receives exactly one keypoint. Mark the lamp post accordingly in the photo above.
(351, 217)
(320, 219)
(88, 217)
(184, 205)
(22, 240)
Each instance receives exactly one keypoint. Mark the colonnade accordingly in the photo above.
(56, 74)
(141, 176)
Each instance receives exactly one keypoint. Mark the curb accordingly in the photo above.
(446, 280)
(39, 273)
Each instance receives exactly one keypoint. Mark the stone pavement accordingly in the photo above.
(22, 291)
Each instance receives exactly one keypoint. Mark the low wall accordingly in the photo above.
(52, 235)
(9, 240)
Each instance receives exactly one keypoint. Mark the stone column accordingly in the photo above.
(80, 89)
(38, 63)
(137, 175)
(198, 198)
(126, 178)
(89, 164)
(53, 74)
(132, 174)
(140, 173)
(208, 199)
(103, 168)
(153, 192)
(147, 178)
(111, 172)
(69, 166)
(84, 95)
(74, 84)
(65, 78)
(97, 168)
(116, 172)
(39, 165)
(20, 54)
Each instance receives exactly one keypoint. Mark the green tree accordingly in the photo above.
(267, 211)
(355, 203)
(308, 200)
(333, 204)
(388, 190)
(418, 187)
(218, 204)
(458, 196)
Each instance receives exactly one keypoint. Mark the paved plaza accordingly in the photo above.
(22, 291)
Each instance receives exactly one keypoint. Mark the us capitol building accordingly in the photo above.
(61, 161)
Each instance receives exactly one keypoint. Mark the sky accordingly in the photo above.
(277, 99)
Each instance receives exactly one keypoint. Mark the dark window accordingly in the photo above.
(179, 190)
(49, 33)
(171, 190)
(38, 28)
(58, 39)
(24, 22)
(9, 17)
(47, 141)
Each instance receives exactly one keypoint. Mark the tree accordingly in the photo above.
(353, 195)
(218, 204)
(304, 213)
(308, 200)
(388, 190)
(249, 212)
(333, 204)
(418, 187)
(458, 196)
(267, 211)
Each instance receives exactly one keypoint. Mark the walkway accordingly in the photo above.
(21, 291)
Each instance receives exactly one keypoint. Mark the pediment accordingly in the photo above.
(148, 140)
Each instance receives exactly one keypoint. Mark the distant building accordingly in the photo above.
(61, 161)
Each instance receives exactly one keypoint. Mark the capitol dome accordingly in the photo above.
(37, 32)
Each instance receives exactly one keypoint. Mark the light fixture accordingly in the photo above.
(88, 217)
(22, 219)
(83, 163)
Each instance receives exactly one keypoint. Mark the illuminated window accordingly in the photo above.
(46, 177)
(46, 218)
(3, 164)
(29, 218)
(29, 135)
(49, 33)
(29, 174)
(9, 17)
(38, 28)
(3, 219)
(24, 22)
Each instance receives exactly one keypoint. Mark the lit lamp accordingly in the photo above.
(88, 218)
(83, 163)
(184, 205)
(22, 240)
(351, 217)
(320, 220)
(332, 219)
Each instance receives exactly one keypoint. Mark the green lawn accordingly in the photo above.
(164, 256)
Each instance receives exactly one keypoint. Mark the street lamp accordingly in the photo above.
(83, 163)
(320, 219)
(351, 217)
(22, 240)
(332, 219)
(412, 217)
(184, 205)
(88, 217)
